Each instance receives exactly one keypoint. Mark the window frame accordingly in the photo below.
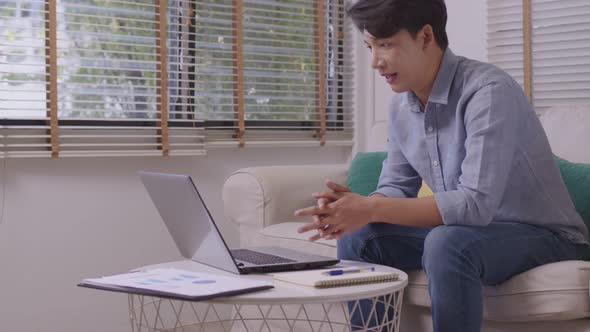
(337, 84)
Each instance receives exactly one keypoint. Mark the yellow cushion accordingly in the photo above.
(425, 191)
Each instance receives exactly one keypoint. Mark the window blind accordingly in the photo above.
(560, 52)
(24, 79)
(505, 36)
(275, 72)
(96, 78)
(559, 47)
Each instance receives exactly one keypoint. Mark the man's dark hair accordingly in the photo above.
(385, 18)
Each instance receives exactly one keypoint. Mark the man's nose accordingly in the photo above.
(376, 62)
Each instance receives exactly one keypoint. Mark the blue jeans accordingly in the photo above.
(458, 260)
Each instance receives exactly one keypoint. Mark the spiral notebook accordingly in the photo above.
(321, 278)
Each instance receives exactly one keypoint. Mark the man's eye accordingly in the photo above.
(368, 47)
(385, 44)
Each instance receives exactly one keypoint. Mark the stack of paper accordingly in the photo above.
(175, 283)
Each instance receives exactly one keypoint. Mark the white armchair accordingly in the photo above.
(261, 202)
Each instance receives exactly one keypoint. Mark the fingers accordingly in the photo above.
(337, 192)
(310, 211)
(318, 223)
(325, 230)
(336, 235)
(336, 187)
(328, 232)
(315, 237)
(320, 216)
(321, 204)
(316, 219)
(307, 228)
(327, 196)
(331, 232)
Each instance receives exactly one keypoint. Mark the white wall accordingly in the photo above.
(69, 219)
(466, 28)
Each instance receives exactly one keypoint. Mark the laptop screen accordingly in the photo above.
(188, 220)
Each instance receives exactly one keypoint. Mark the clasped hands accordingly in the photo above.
(338, 212)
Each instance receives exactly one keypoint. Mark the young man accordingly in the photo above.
(466, 128)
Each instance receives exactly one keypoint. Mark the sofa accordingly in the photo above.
(555, 297)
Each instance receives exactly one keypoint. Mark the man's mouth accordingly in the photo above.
(390, 78)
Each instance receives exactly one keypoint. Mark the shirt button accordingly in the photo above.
(430, 129)
(435, 163)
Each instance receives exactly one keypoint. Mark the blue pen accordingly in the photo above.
(343, 271)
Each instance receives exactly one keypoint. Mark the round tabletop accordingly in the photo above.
(284, 292)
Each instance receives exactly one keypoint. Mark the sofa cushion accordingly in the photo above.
(557, 291)
(577, 180)
(364, 172)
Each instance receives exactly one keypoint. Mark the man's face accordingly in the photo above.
(400, 59)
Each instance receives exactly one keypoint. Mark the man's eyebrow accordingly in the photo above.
(376, 40)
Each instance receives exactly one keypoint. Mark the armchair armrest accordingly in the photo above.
(257, 197)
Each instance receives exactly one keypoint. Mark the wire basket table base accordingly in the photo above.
(154, 314)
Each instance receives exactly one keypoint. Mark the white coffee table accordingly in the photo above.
(287, 307)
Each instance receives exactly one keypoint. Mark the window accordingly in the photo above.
(545, 45)
(103, 78)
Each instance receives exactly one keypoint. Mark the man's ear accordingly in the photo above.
(427, 36)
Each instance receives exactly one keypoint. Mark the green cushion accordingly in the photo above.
(363, 175)
(577, 180)
(364, 171)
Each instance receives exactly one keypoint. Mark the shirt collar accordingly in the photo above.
(444, 78)
(442, 83)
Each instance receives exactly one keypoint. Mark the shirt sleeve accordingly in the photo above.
(491, 127)
(398, 178)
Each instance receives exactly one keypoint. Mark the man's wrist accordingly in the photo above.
(373, 206)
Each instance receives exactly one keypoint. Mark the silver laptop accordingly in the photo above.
(197, 237)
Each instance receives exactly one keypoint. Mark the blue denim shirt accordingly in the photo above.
(480, 147)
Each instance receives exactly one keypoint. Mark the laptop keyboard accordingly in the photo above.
(258, 258)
